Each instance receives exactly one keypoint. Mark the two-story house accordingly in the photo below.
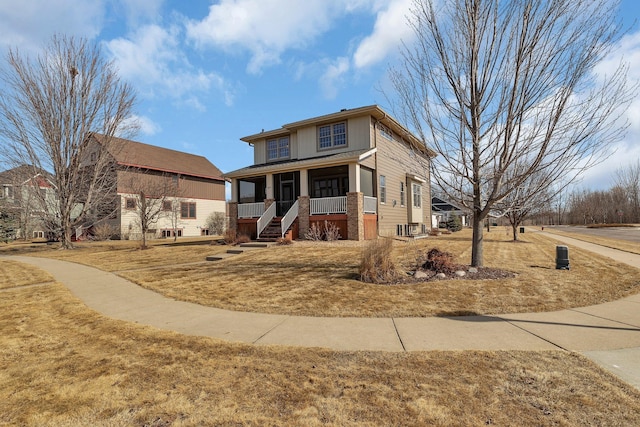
(26, 200)
(358, 168)
(190, 187)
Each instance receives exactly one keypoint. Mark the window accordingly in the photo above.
(402, 193)
(130, 203)
(278, 148)
(188, 210)
(417, 195)
(383, 189)
(385, 131)
(94, 157)
(167, 205)
(334, 135)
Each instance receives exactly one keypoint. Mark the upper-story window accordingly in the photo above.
(333, 135)
(278, 148)
(385, 131)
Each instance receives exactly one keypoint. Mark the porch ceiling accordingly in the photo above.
(294, 165)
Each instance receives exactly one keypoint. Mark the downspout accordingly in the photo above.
(377, 181)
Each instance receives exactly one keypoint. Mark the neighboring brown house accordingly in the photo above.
(26, 200)
(200, 188)
(358, 168)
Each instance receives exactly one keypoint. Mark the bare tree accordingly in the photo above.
(48, 108)
(628, 179)
(490, 82)
(151, 193)
(530, 197)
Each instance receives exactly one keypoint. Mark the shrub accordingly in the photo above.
(328, 232)
(439, 261)
(230, 236)
(331, 231)
(243, 238)
(216, 223)
(284, 241)
(454, 224)
(313, 233)
(105, 231)
(377, 263)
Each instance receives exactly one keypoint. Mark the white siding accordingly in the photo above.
(190, 227)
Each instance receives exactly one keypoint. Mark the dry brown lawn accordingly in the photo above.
(119, 254)
(65, 365)
(319, 279)
(621, 245)
(15, 274)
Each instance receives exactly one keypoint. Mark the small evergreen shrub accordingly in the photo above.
(454, 224)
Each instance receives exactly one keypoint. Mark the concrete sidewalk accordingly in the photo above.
(608, 333)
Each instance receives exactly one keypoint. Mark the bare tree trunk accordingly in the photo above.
(477, 250)
(514, 226)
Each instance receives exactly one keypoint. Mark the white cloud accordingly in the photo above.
(389, 30)
(153, 59)
(268, 28)
(333, 77)
(147, 126)
(141, 11)
(29, 24)
(627, 151)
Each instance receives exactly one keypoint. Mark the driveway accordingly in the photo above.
(630, 234)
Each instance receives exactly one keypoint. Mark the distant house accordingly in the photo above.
(26, 197)
(359, 169)
(197, 188)
(444, 210)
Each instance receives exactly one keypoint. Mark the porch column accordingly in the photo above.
(355, 216)
(233, 216)
(354, 177)
(304, 182)
(269, 188)
(234, 190)
(304, 210)
(268, 202)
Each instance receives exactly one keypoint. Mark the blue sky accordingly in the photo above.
(210, 72)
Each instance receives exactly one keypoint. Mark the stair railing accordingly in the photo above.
(265, 219)
(289, 217)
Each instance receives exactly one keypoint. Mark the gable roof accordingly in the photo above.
(371, 110)
(145, 156)
(24, 173)
(440, 205)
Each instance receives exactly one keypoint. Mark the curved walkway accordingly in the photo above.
(607, 333)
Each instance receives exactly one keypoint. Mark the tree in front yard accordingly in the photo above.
(49, 105)
(489, 85)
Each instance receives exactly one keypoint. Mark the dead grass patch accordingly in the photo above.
(122, 254)
(321, 279)
(63, 364)
(14, 274)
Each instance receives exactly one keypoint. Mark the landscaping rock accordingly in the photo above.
(420, 275)
(441, 276)
(461, 273)
(473, 270)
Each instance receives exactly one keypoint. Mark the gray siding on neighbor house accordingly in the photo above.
(395, 159)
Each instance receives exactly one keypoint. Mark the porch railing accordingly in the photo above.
(328, 205)
(288, 219)
(250, 210)
(265, 219)
(370, 205)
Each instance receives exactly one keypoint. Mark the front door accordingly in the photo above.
(287, 197)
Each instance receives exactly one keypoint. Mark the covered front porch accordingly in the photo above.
(278, 203)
